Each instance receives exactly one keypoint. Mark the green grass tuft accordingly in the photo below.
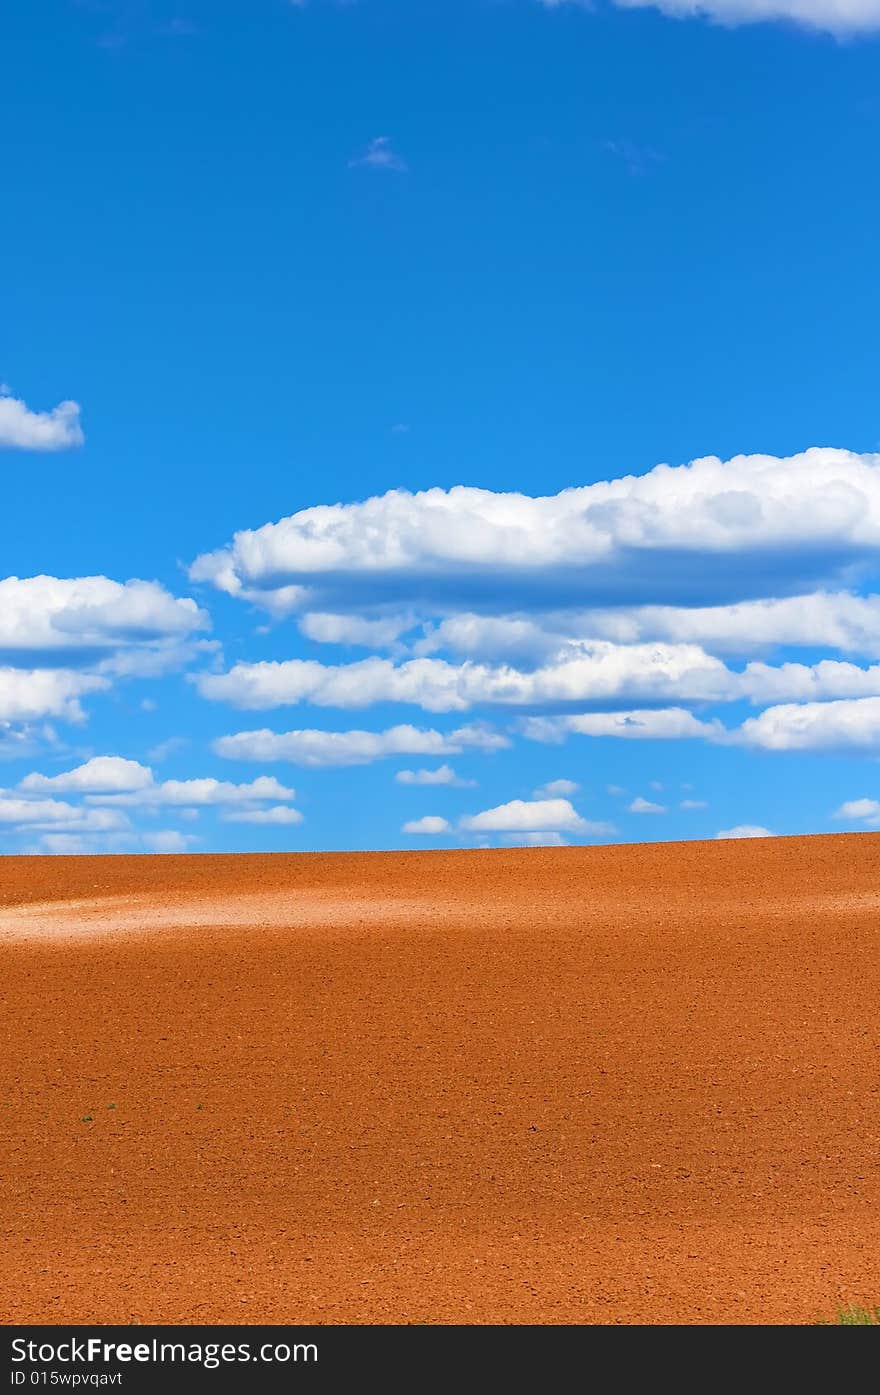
(853, 1315)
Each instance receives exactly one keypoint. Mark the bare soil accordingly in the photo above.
(616, 1085)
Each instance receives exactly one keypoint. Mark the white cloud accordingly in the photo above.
(832, 16)
(90, 843)
(90, 612)
(555, 788)
(516, 639)
(535, 840)
(520, 815)
(866, 809)
(830, 678)
(100, 775)
(323, 748)
(28, 694)
(645, 806)
(834, 620)
(443, 775)
(599, 672)
(814, 726)
(380, 155)
(838, 620)
(22, 429)
(168, 840)
(198, 793)
(163, 749)
(708, 533)
(844, 724)
(651, 724)
(116, 629)
(431, 823)
(353, 629)
(276, 814)
(746, 830)
(691, 804)
(49, 813)
(65, 845)
(19, 740)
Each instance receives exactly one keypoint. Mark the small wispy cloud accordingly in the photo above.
(178, 28)
(431, 823)
(167, 748)
(555, 789)
(637, 159)
(443, 775)
(380, 155)
(645, 806)
(746, 830)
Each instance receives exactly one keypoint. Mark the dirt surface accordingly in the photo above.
(628, 1084)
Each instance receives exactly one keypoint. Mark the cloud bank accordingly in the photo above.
(768, 525)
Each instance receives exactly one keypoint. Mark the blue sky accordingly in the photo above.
(458, 276)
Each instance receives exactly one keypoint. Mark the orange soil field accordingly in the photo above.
(615, 1085)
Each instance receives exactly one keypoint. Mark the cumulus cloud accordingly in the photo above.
(513, 638)
(22, 429)
(323, 748)
(442, 775)
(522, 815)
(276, 814)
(711, 532)
(844, 724)
(354, 629)
(645, 806)
(848, 724)
(599, 672)
(557, 788)
(651, 724)
(595, 672)
(50, 813)
(866, 810)
(830, 678)
(61, 639)
(100, 775)
(431, 823)
(28, 694)
(745, 830)
(90, 619)
(835, 620)
(198, 793)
